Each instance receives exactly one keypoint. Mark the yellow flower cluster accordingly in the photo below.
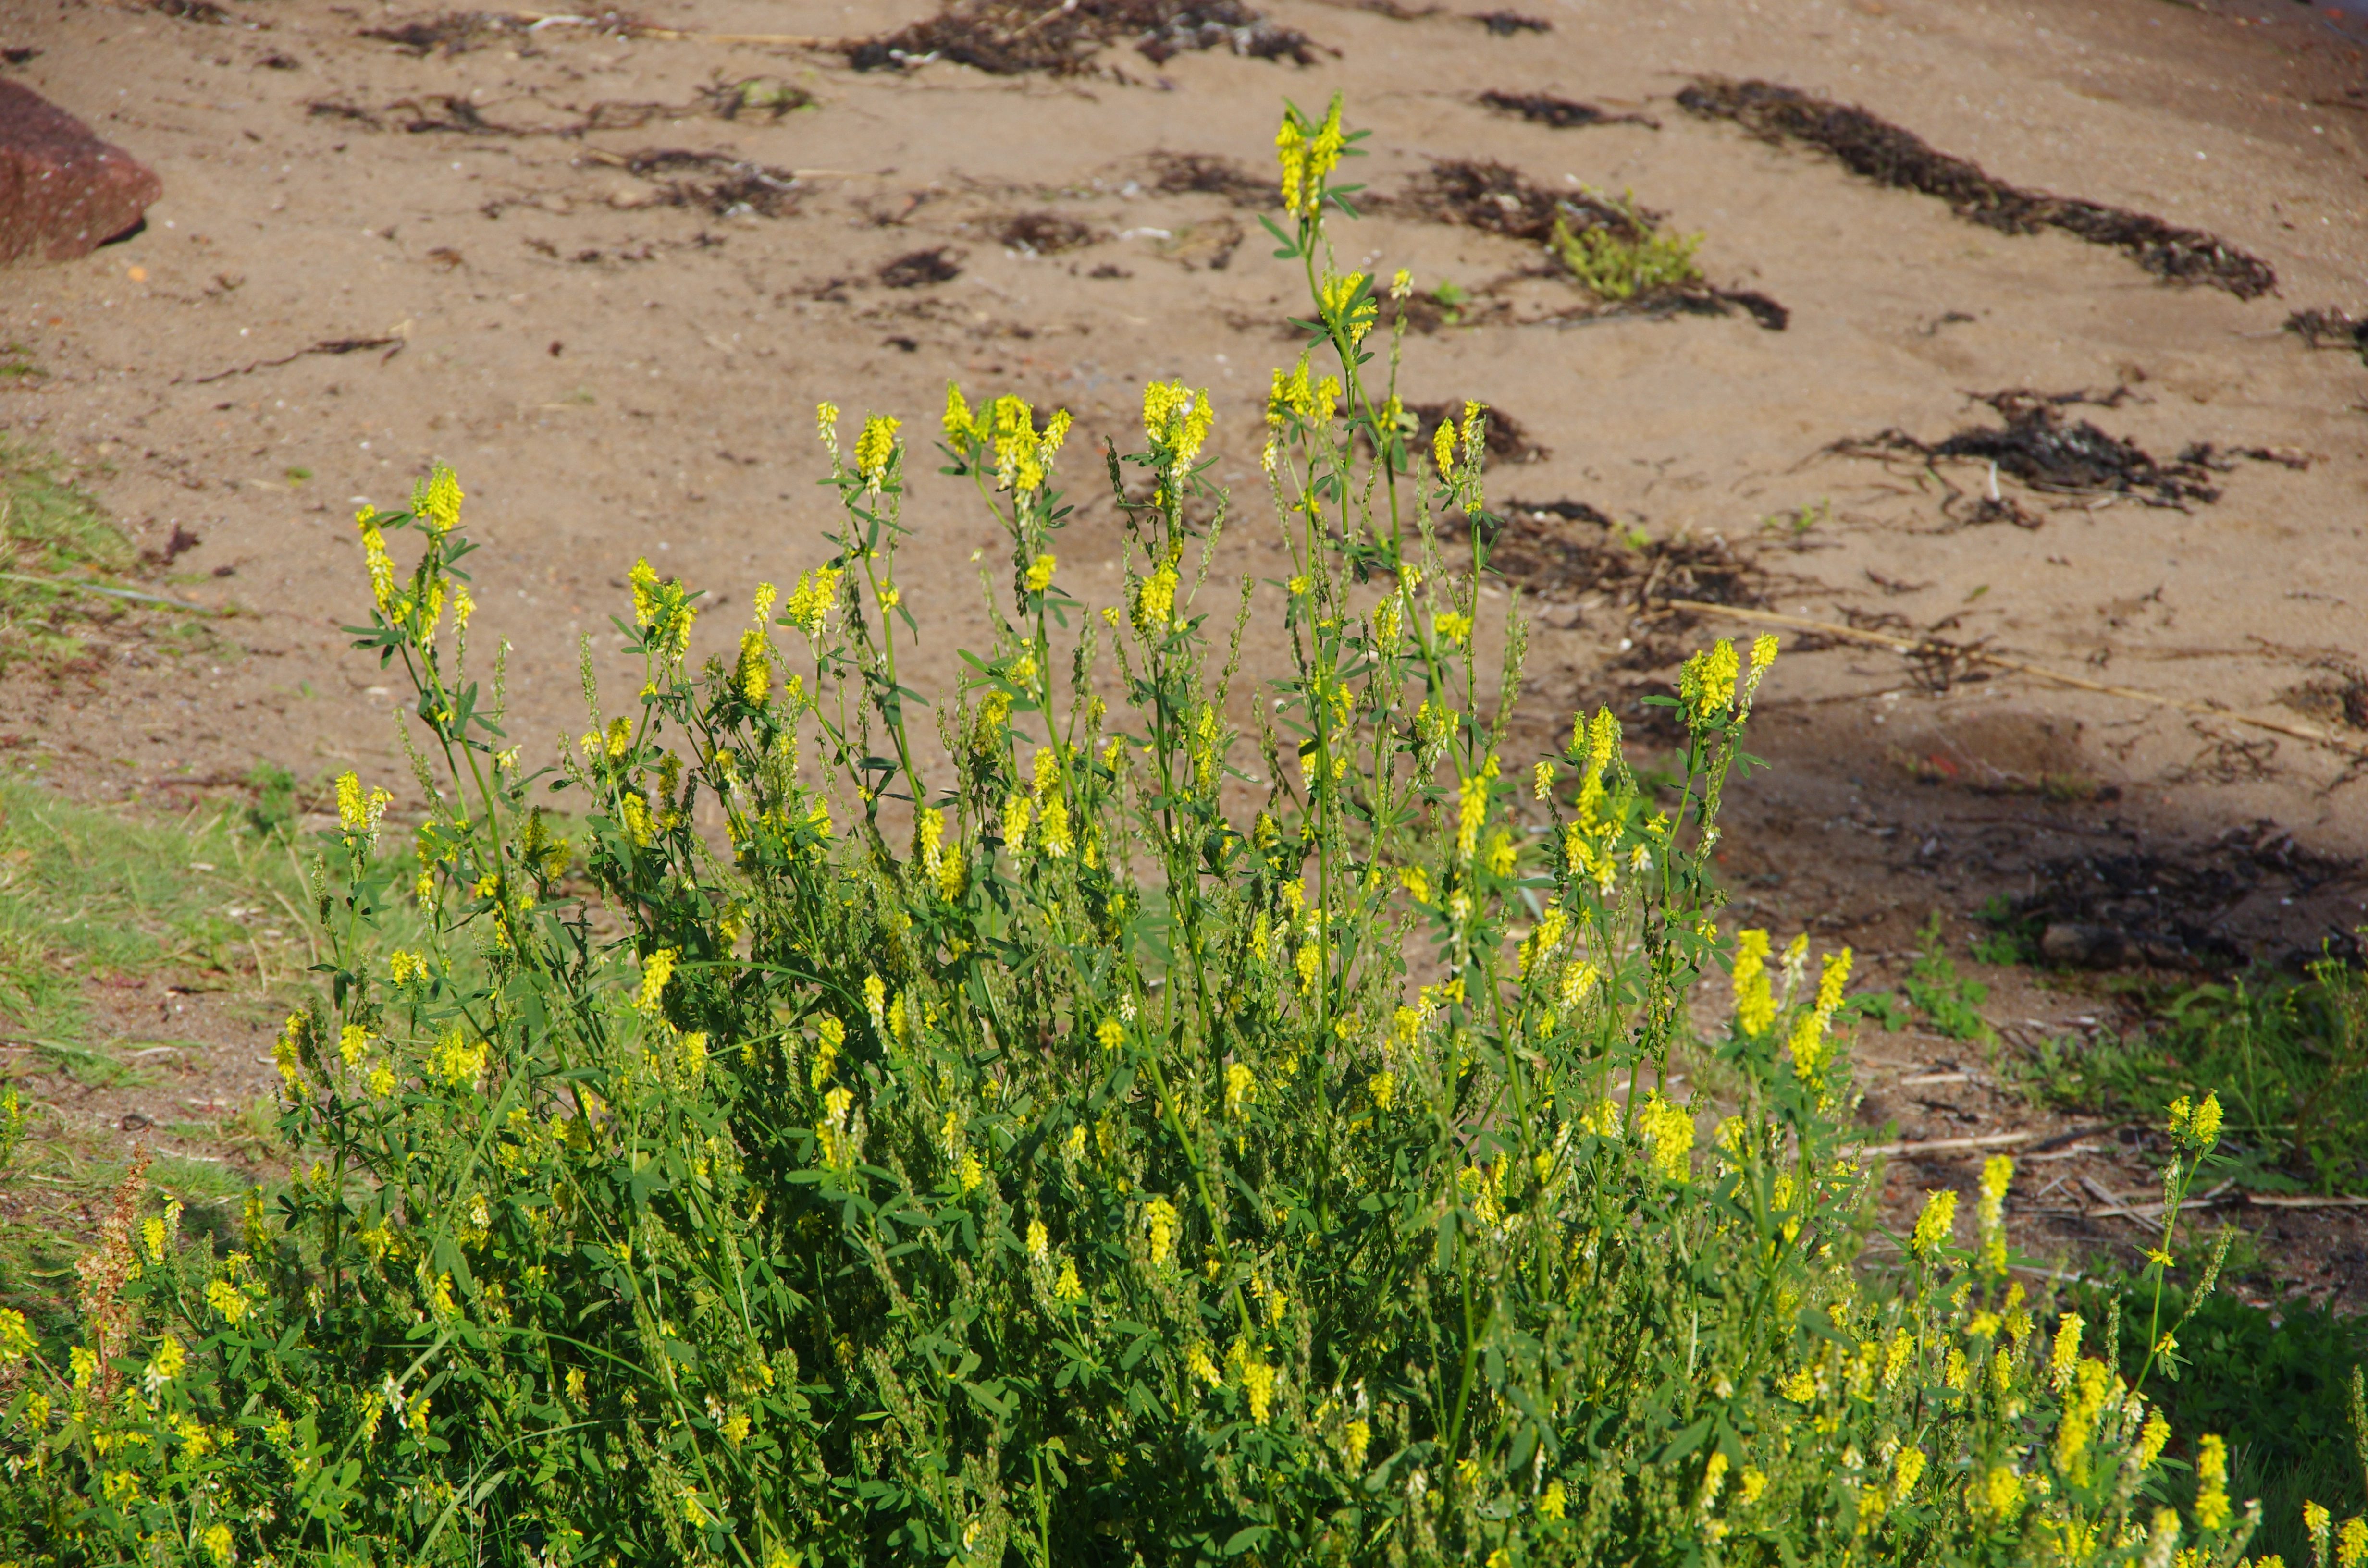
(1315, 402)
(1587, 838)
(1936, 1225)
(1810, 1047)
(436, 500)
(2195, 1126)
(1349, 309)
(1307, 153)
(875, 449)
(809, 602)
(1669, 1132)
(1177, 420)
(1154, 601)
(358, 817)
(1755, 999)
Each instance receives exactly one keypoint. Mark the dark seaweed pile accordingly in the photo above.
(717, 184)
(1886, 153)
(2331, 329)
(1045, 234)
(918, 269)
(1176, 174)
(1492, 197)
(1560, 114)
(1010, 37)
(2039, 447)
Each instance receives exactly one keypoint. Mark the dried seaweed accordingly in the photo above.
(920, 268)
(1884, 152)
(1045, 233)
(1178, 174)
(1562, 550)
(2039, 447)
(1010, 38)
(1505, 24)
(454, 33)
(719, 185)
(1560, 114)
(1495, 198)
(2331, 328)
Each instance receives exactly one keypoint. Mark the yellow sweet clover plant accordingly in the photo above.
(1237, 1123)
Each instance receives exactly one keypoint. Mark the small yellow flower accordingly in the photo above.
(1067, 1287)
(1040, 572)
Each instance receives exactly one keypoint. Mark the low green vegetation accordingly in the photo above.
(1620, 261)
(2288, 1055)
(1009, 1154)
(1933, 993)
(52, 533)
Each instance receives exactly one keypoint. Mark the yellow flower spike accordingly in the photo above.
(1348, 307)
(961, 430)
(1989, 1214)
(876, 447)
(2350, 1542)
(436, 500)
(1160, 1217)
(826, 423)
(2212, 1487)
(1067, 1287)
(1831, 978)
(2067, 1349)
(1935, 1225)
(1040, 572)
(1442, 448)
(2205, 1127)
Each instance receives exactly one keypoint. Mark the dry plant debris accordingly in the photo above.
(1045, 233)
(1010, 38)
(918, 269)
(1180, 174)
(2038, 447)
(1560, 114)
(714, 183)
(2331, 328)
(1560, 550)
(1884, 152)
(455, 32)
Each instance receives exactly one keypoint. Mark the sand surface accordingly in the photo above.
(614, 376)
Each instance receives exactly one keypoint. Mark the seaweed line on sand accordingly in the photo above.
(1882, 151)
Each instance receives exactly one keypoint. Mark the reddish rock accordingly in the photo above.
(62, 191)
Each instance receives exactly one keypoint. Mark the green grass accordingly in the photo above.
(50, 528)
(2288, 1057)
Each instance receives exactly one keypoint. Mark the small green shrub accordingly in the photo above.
(1010, 1155)
(1620, 261)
